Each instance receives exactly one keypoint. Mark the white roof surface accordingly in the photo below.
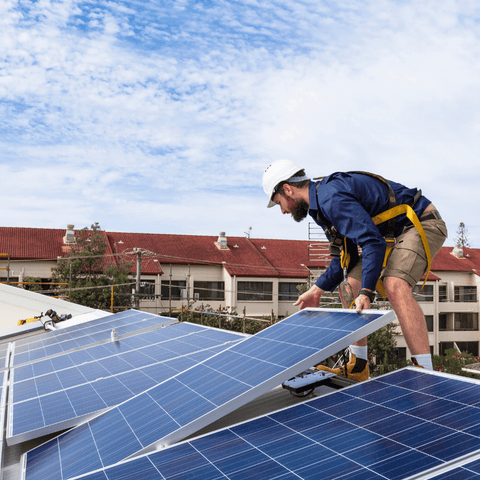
(18, 304)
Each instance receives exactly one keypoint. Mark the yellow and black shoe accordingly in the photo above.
(357, 369)
(415, 363)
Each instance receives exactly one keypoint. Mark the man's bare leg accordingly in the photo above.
(355, 285)
(409, 315)
(357, 366)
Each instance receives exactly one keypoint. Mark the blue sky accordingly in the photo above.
(161, 116)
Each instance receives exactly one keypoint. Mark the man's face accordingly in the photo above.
(297, 208)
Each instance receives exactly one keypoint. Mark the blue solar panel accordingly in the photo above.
(184, 404)
(3, 378)
(52, 394)
(63, 340)
(470, 471)
(327, 438)
(3, 400)
(4, 356)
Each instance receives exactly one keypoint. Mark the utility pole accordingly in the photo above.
(170, 293)
(7, 268)
(136, 297)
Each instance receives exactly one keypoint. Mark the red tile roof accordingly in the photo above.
(446, 261)
(32, 243)
(244, 257)
(431, 277)
(251, 257)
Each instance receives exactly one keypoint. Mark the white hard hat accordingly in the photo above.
(275, 173)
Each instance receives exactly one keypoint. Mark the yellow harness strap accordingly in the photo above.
(344, 255)
(412, 216)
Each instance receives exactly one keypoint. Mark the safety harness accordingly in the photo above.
(338, 242)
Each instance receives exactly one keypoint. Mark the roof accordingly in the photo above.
(19, 304)
(32, 243)
(445, 261)
(431, 277)
(244, 257)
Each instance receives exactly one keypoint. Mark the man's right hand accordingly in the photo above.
(311, 298)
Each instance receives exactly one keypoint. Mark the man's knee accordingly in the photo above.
(396, 286)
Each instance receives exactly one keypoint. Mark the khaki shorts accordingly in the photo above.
(408, 259)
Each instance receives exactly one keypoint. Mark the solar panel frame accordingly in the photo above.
(339, 329)
(289, 444)
(3, 408)
(338, 344)
(105, 390)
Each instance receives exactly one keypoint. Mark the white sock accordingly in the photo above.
(424, 361)
(360, 352)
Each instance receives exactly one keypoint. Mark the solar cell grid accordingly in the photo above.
(60, 341)
(105, 381)
(204, 393)
(3, 400)
(4, 355)
(316, 440)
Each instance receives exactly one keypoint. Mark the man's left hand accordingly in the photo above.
(362, 302)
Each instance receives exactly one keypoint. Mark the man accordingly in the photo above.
(344, 205)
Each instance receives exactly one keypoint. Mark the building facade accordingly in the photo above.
(258, 277)
(450, 303)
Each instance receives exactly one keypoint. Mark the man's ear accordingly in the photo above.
(288, 190)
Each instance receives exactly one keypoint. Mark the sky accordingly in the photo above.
(161, 116)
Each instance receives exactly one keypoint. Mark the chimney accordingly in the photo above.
(69, 237)
(221, 243)
(458, 251)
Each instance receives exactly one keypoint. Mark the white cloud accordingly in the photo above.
(166, 114)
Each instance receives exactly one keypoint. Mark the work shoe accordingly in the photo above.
(415, 363)
(357, 369)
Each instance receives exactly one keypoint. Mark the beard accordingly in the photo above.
(300, 210)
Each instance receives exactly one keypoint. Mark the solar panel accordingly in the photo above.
(470, 471)
(60, 341)
(3, 399)
(57, 393)
(373, 430)
(4, 355)
(195, 398)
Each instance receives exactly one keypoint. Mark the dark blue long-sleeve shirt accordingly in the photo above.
(348, 201)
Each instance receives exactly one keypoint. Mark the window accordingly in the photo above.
(442, 322)
(147, 290)
(255, 291)
(444, 346)
(175, 292)
(429, 322)
(426, 295)
(466, 294)
(470, 347)
(442, 293)
(288, 292)
(466, 321)
(400, 353)
(209, 290)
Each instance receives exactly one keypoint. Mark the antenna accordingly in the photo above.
(249, 232)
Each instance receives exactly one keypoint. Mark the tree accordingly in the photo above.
(381, 347)
(453, 362)
(462, 236)
(86, 268)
